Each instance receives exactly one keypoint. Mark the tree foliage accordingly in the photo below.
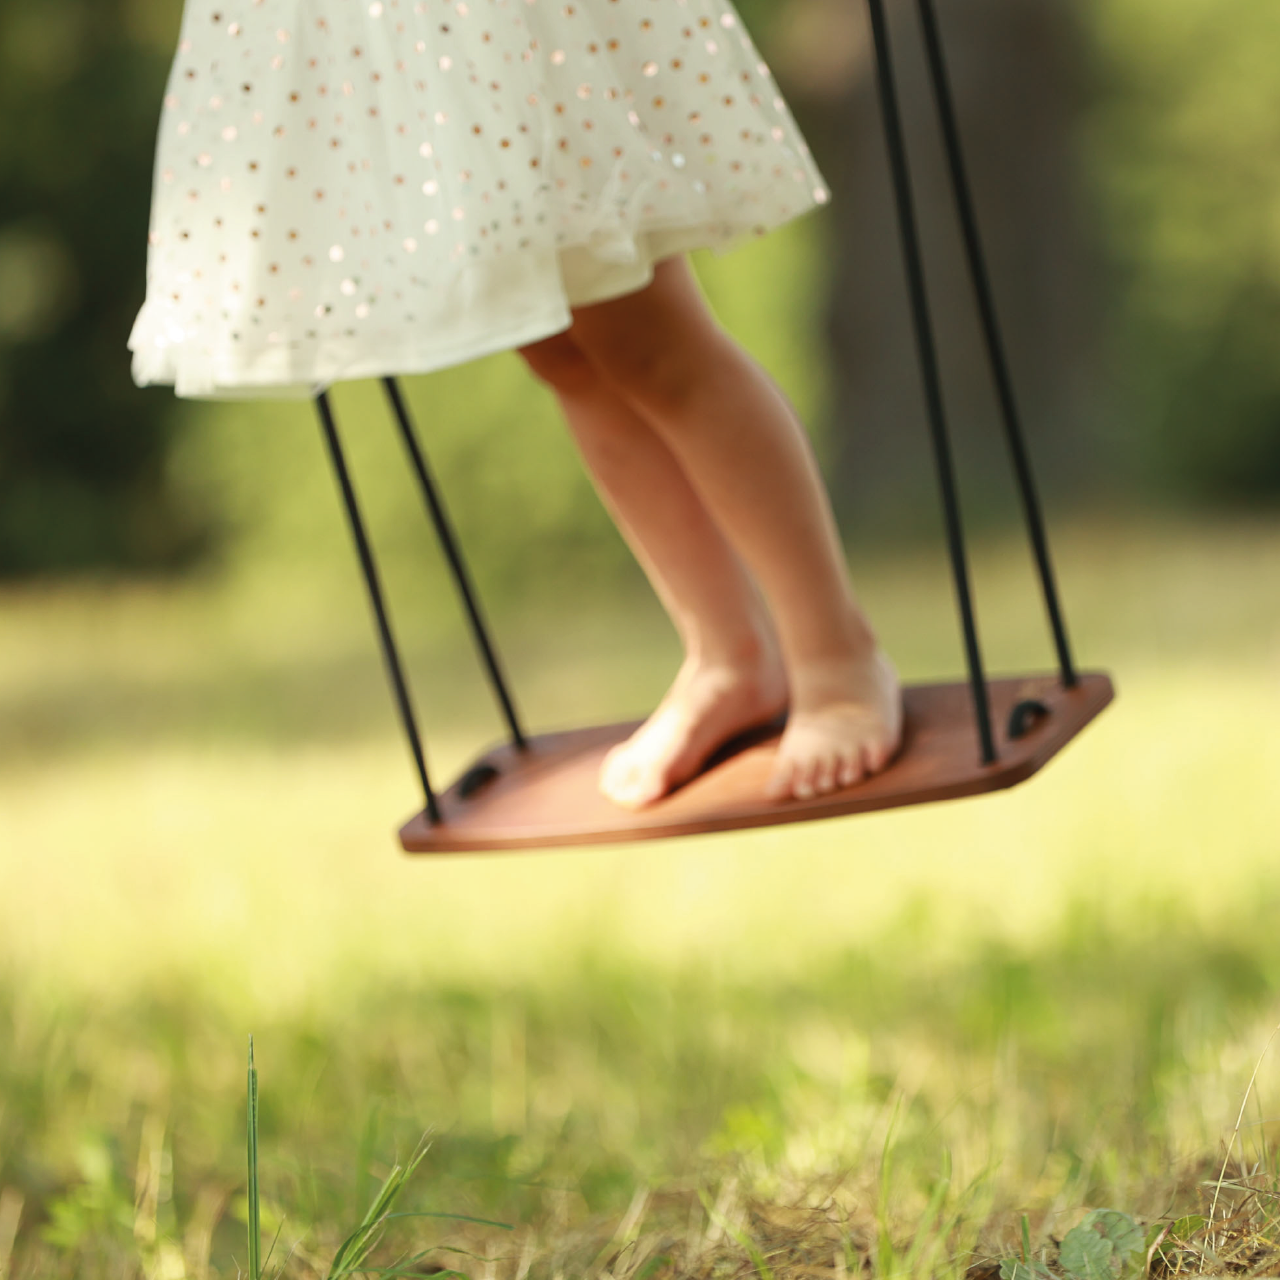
(82, 451)
(1183, 143)
(1178, 140)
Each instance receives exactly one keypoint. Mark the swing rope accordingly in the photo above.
(1009, 415)
(927, 352)
(457, 565)
(390, 651)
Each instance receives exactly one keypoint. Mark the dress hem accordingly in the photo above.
(584, 279)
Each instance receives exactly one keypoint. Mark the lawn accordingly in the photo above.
(869, 1044)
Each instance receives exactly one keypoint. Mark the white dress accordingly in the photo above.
(346, 189)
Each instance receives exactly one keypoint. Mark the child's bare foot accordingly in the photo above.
(708, 704)
(845, 724)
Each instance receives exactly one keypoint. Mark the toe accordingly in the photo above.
(646, 786)
(804, 780)
(622, 780)
(850, 769)
(631, 795)
(824, 773)
(875, 756)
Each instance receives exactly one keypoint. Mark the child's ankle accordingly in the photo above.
(853, 645)
(750, 651)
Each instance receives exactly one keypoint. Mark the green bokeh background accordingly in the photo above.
(1170, 142)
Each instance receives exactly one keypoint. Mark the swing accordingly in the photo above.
(539, 791)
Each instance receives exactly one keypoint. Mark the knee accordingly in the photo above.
(655, 365)
(560, 363)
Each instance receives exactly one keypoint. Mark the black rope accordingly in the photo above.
(995, 343)
(390, 654)
(453, 553)
(929, 372)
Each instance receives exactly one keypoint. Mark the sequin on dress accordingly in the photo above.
(346, 189)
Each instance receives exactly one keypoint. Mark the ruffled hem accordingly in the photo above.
(534, 296)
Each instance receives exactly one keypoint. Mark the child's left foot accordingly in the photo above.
(845, 724)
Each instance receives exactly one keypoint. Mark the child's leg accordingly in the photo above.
(747, 458)
(732, 677)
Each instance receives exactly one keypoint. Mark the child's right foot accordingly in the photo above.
(845, 725)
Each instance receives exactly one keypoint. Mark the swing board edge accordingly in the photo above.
(546, 797)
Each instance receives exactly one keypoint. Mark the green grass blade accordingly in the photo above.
(453, 1248)
(356, 1247)
(255, 1231)
(925, 1239)
(886, 1255)
(360, 1243)
(275, 1240)
(452, 1217)
(388, 1273)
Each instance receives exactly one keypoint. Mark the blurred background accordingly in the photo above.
(1123, 160)
(1056, 995)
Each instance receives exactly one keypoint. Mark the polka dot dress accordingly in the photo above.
(346, 189)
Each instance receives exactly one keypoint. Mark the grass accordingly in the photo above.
(866, 1045)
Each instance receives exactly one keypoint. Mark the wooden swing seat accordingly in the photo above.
(545, 796)
(540, 792)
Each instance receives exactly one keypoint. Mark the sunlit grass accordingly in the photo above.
(1054, 997)
(177, 782)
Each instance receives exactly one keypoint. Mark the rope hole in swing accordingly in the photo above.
(476, 779)
(1025, 716)
(540, 791)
